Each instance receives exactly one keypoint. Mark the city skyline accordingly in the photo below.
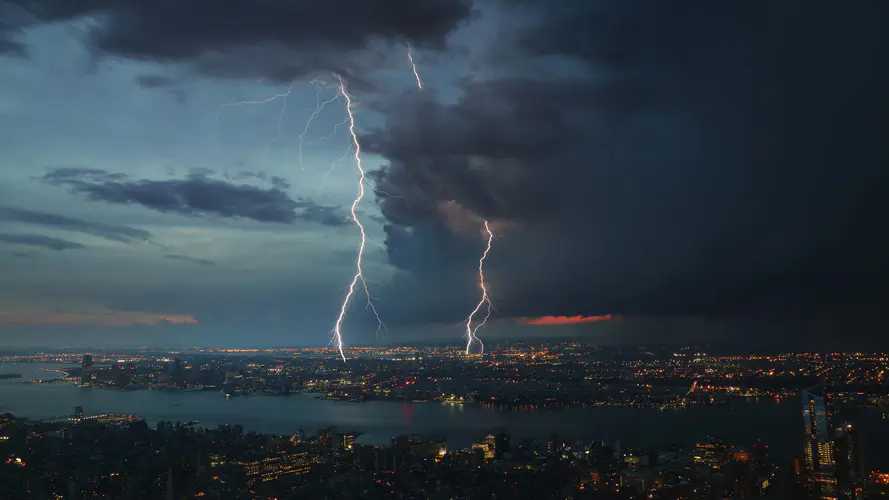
(654, 422)
(706, 173)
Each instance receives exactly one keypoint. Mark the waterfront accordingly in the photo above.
(778, 424)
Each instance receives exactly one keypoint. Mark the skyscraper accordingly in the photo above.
(501, 444)
(348, 442)
(86, 373)
(711, 453)
(849, 466)
(818, 446)
(177, 373)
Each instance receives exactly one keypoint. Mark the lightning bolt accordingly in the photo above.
(410, 57)
(330, 170)
(321, 86)
(355, 148)
(336, 129)
(247, 103)
(319, 107)
(334, 162)
(359, 273)
(278, 134)
(283, 95)
(470, 330)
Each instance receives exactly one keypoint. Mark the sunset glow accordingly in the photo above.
(99, 318)
(565, 320)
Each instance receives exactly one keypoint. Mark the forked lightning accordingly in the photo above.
(471, 336)
(359, 273)
(410, 57)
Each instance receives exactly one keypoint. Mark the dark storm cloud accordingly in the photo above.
(195, 195)
(36, 240)
(10, 21)
(727, 160)
(123, 234)
(193, 260)
(9, 46)
(154, 81)
(198, 31)
(274, 180)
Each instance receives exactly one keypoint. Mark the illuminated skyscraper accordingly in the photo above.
(486, 447)
(554, 446)
(711, 453)
(274, 467)
(298, 437)
(349, 441)
(818, 447)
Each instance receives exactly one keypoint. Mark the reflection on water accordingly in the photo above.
(777, 424)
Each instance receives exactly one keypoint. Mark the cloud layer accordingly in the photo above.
(717, 162)
(123, 234)
(37, 240)
(273, 39)
(195, 195)
(193, 260)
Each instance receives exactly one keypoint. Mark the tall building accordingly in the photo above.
(486, 447)
(818, 446)
(170, 494)
(325, 437)
(349, 440)
(554, 446)
(711, 453)
(277, 466)
(401, 453)
(86, 375)
(177, 373)
(849, 466)
(501, 444)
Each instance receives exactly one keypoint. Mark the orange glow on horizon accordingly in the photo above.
(565, 320)
(99, 318)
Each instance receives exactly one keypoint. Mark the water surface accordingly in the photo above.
(779, 425)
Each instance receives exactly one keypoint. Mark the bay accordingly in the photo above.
(777, 424)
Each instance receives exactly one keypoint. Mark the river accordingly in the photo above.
(777, 424)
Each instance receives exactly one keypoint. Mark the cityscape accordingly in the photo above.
(444, 249)
(517, 375)
(86, 454)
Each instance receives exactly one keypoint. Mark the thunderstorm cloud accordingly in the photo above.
(279, 40)
(684, 165)
(716, 159)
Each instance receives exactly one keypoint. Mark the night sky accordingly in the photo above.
(683, 171)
